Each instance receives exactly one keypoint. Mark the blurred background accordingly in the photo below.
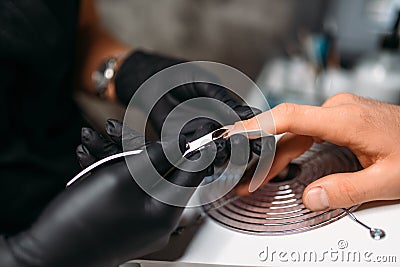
(240, 33)
(296, 51)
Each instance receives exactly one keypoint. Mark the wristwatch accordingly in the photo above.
(104, 74)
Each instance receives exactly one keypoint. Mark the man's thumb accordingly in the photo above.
(342, 190)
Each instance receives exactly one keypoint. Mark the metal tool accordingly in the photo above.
(195, 145)
(203, 141)
(375, 233)
(224, 132)
(101, 162)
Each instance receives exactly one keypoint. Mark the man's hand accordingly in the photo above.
(370, 129)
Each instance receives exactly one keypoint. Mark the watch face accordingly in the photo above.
(103, 75)
(109, 73)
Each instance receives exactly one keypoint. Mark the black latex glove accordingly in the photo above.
(104, 219)
(95, 147)
(140, 66)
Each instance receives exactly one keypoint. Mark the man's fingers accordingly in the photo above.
(377, 182)
(338, 191)
(289, 147)
(302, 120)
(327, 123)
(341, 99)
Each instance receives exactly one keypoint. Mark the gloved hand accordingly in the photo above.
(104, 219)
(140, 66)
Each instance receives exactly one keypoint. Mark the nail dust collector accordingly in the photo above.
(273, 228)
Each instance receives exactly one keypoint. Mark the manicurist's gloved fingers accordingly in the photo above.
(242, 149)
(198, 127)
(246, 112)
(97, 145)
(84, 157)
(203, 127)
(184, 177)
(114, 131)
(222, 146)
(122, 135)
(157, 151)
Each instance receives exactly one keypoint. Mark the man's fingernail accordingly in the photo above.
(317, 199)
